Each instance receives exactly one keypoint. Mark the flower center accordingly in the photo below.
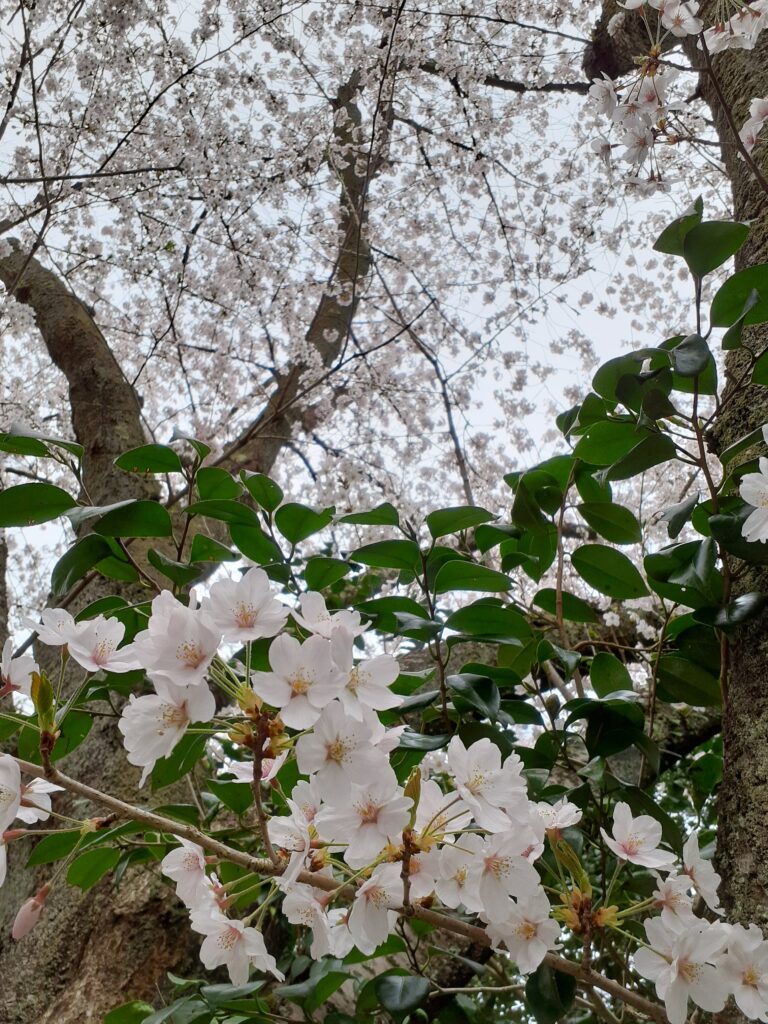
(337, 751)
(497, 866)
(369, 813)
(354, 681)
(300, 685)
(228, 938)
(172, 716)
(190, 654)
(102, 651)
(190, 862)
(245, 615)
(750, 977)
(632, 844)
(7, 796)
(526, 930)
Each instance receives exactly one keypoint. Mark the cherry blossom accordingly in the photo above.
(16, 673)
(186, 867)
(339, 751)
(559, 815)
(703, 876)
(231, 944)
(301, 906)
(10, 790)
(438, 813)
(484, 786)
(291, 833)
(177, 647)
(244, 609)
(680, 18)
(29, 914)
(372, 917)
(367, 683)
(672, 898)
(315, 617)
(56, 627)
(754, 490)
(745, 968)
(459, 874)
(504, 871)
(36, 800)
(637, 839)
(374, 815)
(95, 646)
(270, 766)
(526, 929)
(681, 961)
(302, 681)
(153, 724)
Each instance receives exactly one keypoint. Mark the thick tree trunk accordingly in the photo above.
(742, 842)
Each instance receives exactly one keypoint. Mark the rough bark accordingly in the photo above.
(742, 842)
(93, 951)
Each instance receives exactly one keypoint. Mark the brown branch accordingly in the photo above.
(509, 85)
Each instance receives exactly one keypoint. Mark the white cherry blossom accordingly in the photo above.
(56, 627)
(16, 673)
(186, 867)
(372, 917)
(301, 906)
(745, 968)
(315, 617)
(302, 681)
(559, 815)
(701, 873)
(177, 647)
(484, 786)
(671, 897)
(10, 790)
(754, 490)
(95, 646)
(36, 800)
(232, 944)
(504, 871)
(367, 683)
(244, 609)
(526, 929)
(637, 839)
(375, 814)
(291, 832)
(339, 751)
(459, 874)
(439, 813)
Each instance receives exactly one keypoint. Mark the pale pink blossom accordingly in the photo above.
(503, 871)
(372, 917)
(231, 944)
(604, 94)
(29, 914)
(315, 617)
(559, 815)
(177, 647)
(36, 800)
(745, 968)
(56, 627)
(481, 782)
(439, 813)
(95, 646)
(367, 683)
(459, 873)
(637, 839)
(671, 897)
(292, 833)
(244, 609)
(10, 790)
(339, 751)
(754, 490)
(301, 906)
(186, 867)
(705, 879)
(375, 814)
(526, 929)
(681, 18)
(270, 766)
(302, 682)
(16, 673)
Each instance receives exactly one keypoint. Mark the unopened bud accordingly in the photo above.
(29, 914)
(15, 833)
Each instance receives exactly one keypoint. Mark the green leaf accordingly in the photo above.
(297, 522)
(741, 445)
(574, 609)
(181, 760)
(53, 847)
(676, 516)
(237, 796)
(454, 520)
(460, 575)
(707, 246)
(150, 458)
(672, 238)
(681, 680)
(322, 572)
(383, 515)
(23, 440)
(604, 443)
(740, 609)
(390, 554)
(200, 447)
(382, 611)
(214, 482)
(691, 356)
(612, 726)
(727, 530)
(614, 522)
(74, 729)
(608, 571)
(489, 619)
(206, 549)
(729, 301)
(234, 513)
(129, 1013)
(255, 544)
(80, 558)
(263, 490)
(30, 504)
(732, 337)
(22, 445)
(401, 995)
(488, 537)
(608, 675)
(86, 870)
(138, 519)
(480, 693)
(178, 572)
(549, 994)
(760, 370)
(652, 451)
(606, 381)
(410, 740)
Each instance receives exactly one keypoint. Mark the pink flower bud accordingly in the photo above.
(14, 833)
(29, 914)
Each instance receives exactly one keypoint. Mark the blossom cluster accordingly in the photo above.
(468, 837)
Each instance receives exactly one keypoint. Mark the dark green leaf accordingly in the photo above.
(549, 994)
(74, 730)
(480, 693)
(23, 440)
(382, 611)
(676, 516)
(149, 458)
(682, 680)
(80, 558)
(652, 451)
(489, 619)
(213, 482)
(728, 304)
(454, 520)
(30, 504)
(608, 571)
(732, 337)
(691, 356)
(401, 995)
(614, 522)
(707, 246)
(383, 515)
(608, 675)
(178, 572)
(264, 491)
(604, 443)
(297, 522)
(389, 554)
(322, 572)
(129, 1013)
(235, 513)
(206, 549)
(460, 575)
(86, 870)
(200, 447)
(574, 609)
(672, 238)
(740, 609)
(255, 544)
(760, 370)
(410, 740)
(53, 847)
(488, 537)
(727, 530)
(606, 380)
(139, 519)
(237, 796)
(181, 760)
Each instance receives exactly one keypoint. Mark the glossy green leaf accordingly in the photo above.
(234, 513)
(707, 246)
(237, 796)
(549, 994)
(613, 522)
(401, 995)
(490, 536)
(652, 451)
(322, 572)
(727, 530)
(79, 560)
(760, 370)
(681, 680)
(480, 693)
(574, 608)
(134, 1012)
(453, 520)
(490, 620)
(672, 238)
(741, 609)
(178, 572)
(607, 675)
(149, 458)
(138, 519)
(732, 337)
(389, 554)
(691, 357)
(30, 504)
(200, 448)
(255, 544)
(182, 759)
(729, 301)
(410, 740)
(23, 440)
(382, 515)
(86, 870)
(606, 380)
(297, 522)
(54, 847)
(213, 482)
(263, 490)
(676, 516)
(206, 549)
(460, 575)
(606, 442)
(608, 571)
